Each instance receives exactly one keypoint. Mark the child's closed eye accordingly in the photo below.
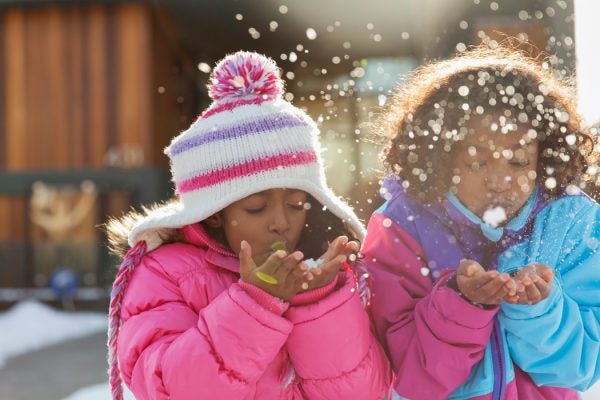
(296, 205)
(255, 210)
(519, 163)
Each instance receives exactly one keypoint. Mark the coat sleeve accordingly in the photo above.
(167, 349)
(432, 336)
(557, 341)
(333, 349)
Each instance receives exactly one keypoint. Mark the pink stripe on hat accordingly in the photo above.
(251, 167)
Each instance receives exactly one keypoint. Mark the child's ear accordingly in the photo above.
(215, 220)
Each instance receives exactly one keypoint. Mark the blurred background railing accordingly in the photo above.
(54, 224)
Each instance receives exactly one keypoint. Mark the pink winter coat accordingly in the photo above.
(192, 330)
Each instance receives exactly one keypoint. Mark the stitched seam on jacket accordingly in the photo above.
(222, 366)
(253, 317)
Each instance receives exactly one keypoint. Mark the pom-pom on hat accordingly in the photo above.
(247, 141)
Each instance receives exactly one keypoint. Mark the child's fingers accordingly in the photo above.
(520, 286)
(351, 247)
(325, 272)
(533, 294)
(544, 288)
(547, 275)
(331, 265)
(335, 248)
(477, 278)
(293, 260)
(292, 268)
(246, 262)
(512, 299)
(469, 268)
(534, 283)
(544, 283)
(526, 271)
(336, 263)
(521, 295)
(511, 286)
(302, 272)
(496, 289)
(545, 272)
(522, 300)
(470, 276)
(488, 279)
(273, 262)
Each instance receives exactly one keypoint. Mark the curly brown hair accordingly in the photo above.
(428, 111)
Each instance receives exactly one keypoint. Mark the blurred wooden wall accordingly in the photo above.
(88, 86)
(79, 81)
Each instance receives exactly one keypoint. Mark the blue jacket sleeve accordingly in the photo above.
(557, 341)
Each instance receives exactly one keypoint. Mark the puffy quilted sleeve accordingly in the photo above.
(169, 349)
(333, 349)
(557, 341)
(432, 336)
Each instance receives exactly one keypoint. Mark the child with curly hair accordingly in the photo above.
(484, 257)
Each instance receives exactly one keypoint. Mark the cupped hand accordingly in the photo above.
(282, 275)
(483, 287)
(330, 262)
(534, 284)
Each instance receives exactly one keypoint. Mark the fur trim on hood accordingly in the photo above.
(118, 229)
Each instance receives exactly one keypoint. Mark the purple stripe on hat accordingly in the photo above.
(269, 123)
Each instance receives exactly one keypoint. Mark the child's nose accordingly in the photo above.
(280, 221)
(498, 182)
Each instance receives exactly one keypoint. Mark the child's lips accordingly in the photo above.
(279, 245)
(272, 247)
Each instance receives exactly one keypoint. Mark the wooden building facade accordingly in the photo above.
(87, 90)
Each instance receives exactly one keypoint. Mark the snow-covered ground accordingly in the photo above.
(30, 326)
(97, 392)
(593, 393)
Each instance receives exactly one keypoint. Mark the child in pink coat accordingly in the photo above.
(217, 297)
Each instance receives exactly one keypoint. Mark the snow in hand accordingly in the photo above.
(494, 216)
(312, 263)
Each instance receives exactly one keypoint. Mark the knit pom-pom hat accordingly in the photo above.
(247, 141)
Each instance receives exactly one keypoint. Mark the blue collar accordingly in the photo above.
(495, 233)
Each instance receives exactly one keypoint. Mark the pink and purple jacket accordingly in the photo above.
(192, 330)
(443, 347)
